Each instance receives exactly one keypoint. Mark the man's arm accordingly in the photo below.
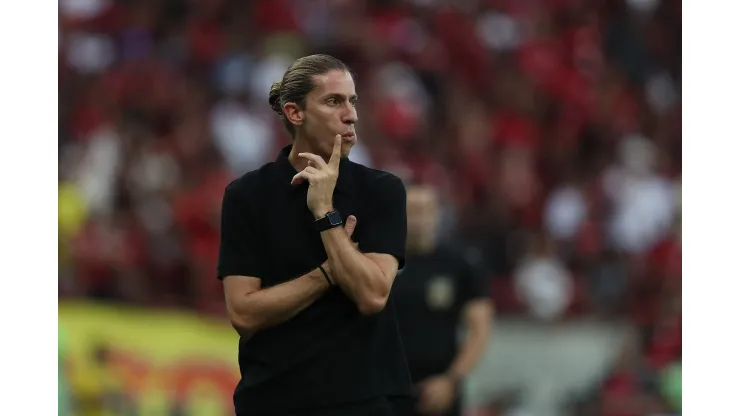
(437, 393)
(477, 314)
(241, 268)
(252, 309)
(365, 278)
(478, 317)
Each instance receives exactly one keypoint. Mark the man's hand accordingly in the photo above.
(322, 178)
(436, 395)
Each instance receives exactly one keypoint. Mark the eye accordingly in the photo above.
(353, 102)
(331, 101)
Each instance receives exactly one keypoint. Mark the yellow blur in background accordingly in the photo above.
(122, 360)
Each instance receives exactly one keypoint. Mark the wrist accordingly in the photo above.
(322, 211)
(325, 272)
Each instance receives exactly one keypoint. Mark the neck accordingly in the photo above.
(300, 145)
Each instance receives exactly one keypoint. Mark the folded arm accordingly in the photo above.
(365, 278)
(241, 265)
(366, 275)
(252, 308)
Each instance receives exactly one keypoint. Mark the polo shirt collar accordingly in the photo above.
(287, 171)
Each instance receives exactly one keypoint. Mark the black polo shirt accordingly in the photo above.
(329, 353)
(430, 295)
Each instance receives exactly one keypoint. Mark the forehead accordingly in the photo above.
(334, 82)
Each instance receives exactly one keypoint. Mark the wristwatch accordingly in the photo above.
(330, 220)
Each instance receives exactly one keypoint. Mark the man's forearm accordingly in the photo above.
(472, 348)
(275, 305)
(468, 355)
(358, 276)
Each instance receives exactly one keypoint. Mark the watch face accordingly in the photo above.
(334, 218)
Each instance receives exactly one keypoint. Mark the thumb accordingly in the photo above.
(350, 225)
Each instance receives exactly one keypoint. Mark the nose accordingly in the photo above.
(349, 116)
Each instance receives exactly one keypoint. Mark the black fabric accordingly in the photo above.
(431, 293)
(408, 408)
(377, 406)
(329, 353)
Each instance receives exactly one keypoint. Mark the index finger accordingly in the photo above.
(337, 153)
(318, 161)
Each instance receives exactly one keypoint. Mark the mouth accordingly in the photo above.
(349, 137)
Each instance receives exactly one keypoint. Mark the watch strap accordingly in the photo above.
(331, 220)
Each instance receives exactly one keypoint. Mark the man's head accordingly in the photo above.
(423, 217)
(316, 100)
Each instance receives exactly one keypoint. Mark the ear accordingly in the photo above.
(293, 113)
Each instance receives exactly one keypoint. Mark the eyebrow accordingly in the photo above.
(338, 95)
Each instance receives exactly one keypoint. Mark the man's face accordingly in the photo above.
(330, 110)
(422, 212)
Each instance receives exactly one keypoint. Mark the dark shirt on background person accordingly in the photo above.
(441, 291)
(431, 294)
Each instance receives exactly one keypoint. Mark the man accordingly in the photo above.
(318, 331)
(439, 288)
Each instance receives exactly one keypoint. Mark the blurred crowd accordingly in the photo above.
(551, 127)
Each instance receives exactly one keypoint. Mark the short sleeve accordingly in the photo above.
(386, 233)
(473, 276)
(238, 250)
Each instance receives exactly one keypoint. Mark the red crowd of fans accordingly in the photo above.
(551, 127)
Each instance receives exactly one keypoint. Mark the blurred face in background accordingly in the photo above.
(330, 110)
(423, 218)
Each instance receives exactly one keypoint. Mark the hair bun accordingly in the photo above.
(275, 98)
